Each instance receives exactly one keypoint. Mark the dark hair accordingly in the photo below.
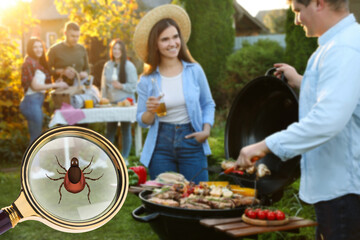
(72, 26)
(30, 51)
(123, 58)
(153, 57)
(336, 4)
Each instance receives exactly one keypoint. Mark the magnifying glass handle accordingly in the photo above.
(8, 219)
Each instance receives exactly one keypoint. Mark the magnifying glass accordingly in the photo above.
(72, 179)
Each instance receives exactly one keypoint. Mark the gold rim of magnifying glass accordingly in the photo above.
(104, 144)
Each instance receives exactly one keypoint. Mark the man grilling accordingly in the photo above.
(327, 134)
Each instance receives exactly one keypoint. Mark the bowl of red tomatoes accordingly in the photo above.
(264, 217)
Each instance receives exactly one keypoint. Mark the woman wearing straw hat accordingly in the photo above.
(177, 138)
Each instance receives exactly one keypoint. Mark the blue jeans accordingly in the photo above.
(175, 153)
(111, 128)
(338, 219)
(31, 108)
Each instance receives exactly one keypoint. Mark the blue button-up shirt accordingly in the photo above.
(328, 132)
(199, 104)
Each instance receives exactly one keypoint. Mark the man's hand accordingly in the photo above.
(83, 75)
(61, 84)
(294, 79)
(69, 72)
(257, 150)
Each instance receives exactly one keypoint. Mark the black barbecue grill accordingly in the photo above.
(264, 106)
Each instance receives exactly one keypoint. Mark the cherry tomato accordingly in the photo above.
(266, 211)
(247, 210)
(271, 215)
(279, 215)
(251, 214)
(257, 210)
(261, 214)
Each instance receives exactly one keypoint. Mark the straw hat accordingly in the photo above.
(145, 25)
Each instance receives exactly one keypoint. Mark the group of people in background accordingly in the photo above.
(327, 134)
(63, 63)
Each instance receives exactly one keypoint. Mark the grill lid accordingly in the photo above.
(265, 105)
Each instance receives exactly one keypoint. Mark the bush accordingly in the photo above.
(298, 47)
(13, 127)
(247, 63)
(212, 36)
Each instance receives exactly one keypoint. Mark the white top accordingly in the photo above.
(176, 112)
(114, 76)
(39, 77)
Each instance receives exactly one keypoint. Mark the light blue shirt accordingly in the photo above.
(199, 104)
(328, 132)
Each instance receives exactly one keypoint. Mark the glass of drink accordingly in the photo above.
(89, 103)
(161, 110)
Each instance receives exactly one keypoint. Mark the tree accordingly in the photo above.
(13, 139)
(212, 36)
(298, 47)
(103, 19)
(246, 64)
(275, 21)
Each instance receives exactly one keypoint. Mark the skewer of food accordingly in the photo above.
(261, 170)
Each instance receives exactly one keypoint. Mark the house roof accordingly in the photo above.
(45, 10)
(244, 22)
(261, 14)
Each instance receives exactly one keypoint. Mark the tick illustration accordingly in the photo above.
(74, 179)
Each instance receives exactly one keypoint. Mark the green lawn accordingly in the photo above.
(123, 226)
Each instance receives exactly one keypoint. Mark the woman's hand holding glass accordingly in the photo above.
(153, 103)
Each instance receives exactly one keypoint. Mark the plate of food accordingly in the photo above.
(103, 105)
(264, 217)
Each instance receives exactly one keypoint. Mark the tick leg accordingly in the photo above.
(59, 163)
(89, 164)
(60, 192)
(88, 172)
(54, 179)
(60, 172)
(88, 192)
(94, 179)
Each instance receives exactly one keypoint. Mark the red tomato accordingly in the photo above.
(279, 215)
(266, 211)
(271, 215)
(247, 210)
(261, 214)
(251, 214)
(257, 210)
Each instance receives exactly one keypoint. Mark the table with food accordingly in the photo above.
(124, 111)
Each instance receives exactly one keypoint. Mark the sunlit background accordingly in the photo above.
(5, 4)
(254, 6)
